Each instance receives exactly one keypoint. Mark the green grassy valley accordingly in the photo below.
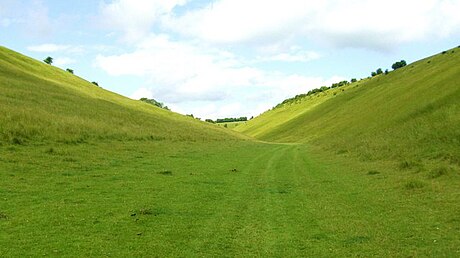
(372, 170)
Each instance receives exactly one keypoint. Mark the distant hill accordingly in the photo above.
(410, 114)
(40, 102)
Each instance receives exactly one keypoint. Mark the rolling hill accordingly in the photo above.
(410, 115)
(42, 103)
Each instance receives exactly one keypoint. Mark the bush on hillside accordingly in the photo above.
(48, 60)
(399, 64)
(155, 103)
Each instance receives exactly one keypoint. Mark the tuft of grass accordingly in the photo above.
(414, 184)
(373, 172)
(438, 172)
(3, 216)
(145, 211)
(17, 141)
(166, 172)
(409, 164)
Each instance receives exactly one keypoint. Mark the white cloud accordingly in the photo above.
(180, 73)
(38, 22)
(48, 48)
(293, 56)
(5, 22)
(142, 93)
(135, 18)
(53, 48)
(357, 23)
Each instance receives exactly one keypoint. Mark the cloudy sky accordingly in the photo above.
(226, 58)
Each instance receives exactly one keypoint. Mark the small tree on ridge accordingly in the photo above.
(48, 60)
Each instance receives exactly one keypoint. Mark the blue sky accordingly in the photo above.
(226, 58)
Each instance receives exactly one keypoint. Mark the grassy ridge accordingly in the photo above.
(44, 103)
(409, 115)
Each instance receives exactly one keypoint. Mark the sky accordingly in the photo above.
(226, 58)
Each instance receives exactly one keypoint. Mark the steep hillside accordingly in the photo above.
(40, 102)
(410, 114)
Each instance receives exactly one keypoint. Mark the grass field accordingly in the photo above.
(210, 199)
(231, 125)
(86, 172)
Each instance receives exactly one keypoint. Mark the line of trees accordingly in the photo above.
(395, 66)
(155, 103)
(379, 71)
(230, 120)
(399, 64)
(315, 91)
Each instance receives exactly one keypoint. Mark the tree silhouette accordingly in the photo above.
(48, 60)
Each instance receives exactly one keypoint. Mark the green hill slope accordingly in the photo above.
(410, 114)
(40, 102)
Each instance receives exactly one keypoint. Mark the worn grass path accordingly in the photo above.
(213, 199)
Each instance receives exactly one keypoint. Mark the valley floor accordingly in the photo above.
(243, 199)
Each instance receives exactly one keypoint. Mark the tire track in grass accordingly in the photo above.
(255, 232)
(221, 234)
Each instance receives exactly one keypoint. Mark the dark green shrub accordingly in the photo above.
(399, 64)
